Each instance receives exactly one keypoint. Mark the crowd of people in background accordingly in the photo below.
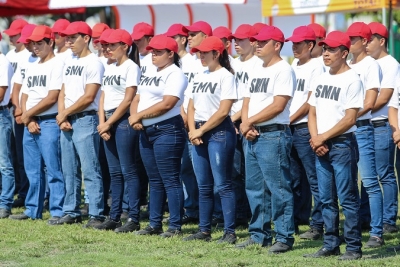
(172, 121)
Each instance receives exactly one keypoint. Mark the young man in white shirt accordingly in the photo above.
(337, 98)
(62, 50)
(265, 119)
(141, 35)
(371, 214)
(77, 119)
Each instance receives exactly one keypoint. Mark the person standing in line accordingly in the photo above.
(141, 34)
(97, 30)
(62, 50)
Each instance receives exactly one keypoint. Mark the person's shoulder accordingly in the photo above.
(388, 61)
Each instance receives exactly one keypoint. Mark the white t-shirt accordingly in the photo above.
(115, 81)
(15, 57)
(6, 73)
(169, 81)
(264, 84)
(209, 89)
(390, 69)
(190, 67)
(395, 99)
(333, 95)
(370, 74)
(243, 70)
(78, 72)
(40, 80)
(146, 64)
(319, 59)
(63, 56)
(20, 73)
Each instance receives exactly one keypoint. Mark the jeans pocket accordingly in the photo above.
(341, 146)
(87, 121)
(219, 136)
(303, 133)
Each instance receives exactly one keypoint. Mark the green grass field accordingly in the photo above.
(34, 243)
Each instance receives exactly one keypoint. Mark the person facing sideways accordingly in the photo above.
(7, 169)
(141, 36)
(370, 74)
(384, 146)
(213, 135)
(62, 49)
(97, 30)
(119, 87)
(19, 53)
(336, 100)
(77, 119)
(302, 157)
(155, 111)
(258, 26)
(41, 141)
(265, 119)
(224, 34)
(191, 201)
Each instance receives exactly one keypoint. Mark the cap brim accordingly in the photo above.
(330, 43)
(35, 38)
(191, 29)
(295, 39)
(22, 40)
(200, 49)
(137, 36)
(240, 36)
(11, 32)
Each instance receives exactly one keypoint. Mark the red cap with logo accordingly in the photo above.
(319, 30)
(359, 29)
(302, 33)
(98, 29)
(40, 32)
(142, 29)
(222, 32)
(336, 39)
(244, 31)
(269, 33)
(161, 42)
(104, 35)
(25, 33)
(211, 43)
(16, 27)
(258, 26)
(60, 25)
(77, 27)
(199, 26)
(378, 28)
(176, 29)
(117, 36)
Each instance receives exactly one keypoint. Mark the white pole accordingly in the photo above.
(384, 19)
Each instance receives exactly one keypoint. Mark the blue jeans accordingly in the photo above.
(79, 155)
(42, 150)
(23, 183)
(212, 162)
(337, 178)
(384, 157)
(268, 187)
(6, 164)
(303, 157)
(369, 177)
(161, 148)
(122, 167)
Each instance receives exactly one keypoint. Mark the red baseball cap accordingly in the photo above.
(25, 33)
(176, 29)
(162, 41)
(222, 32)
(199, 26)
(269, 33)
(336, 39)
(319, 30)
(244, 31)
(209, 44)
(359, 29)
(302, 33)
(378, 28)
(98, 29)
(258, 26)
(16, 27)
(77, 27)
(40, 32)
(117, 36)
(60, 25)
(104, 35)
(142, 29)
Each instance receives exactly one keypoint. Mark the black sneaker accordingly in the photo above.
(85, 210)
(198, 236)
(389, 229)
(323, 252)
(150, 231)
(186, 219)
(53, 220)
(68, 219)
(247, 243)
(279, 247)
(171, 233)
(108, 224)
(93, 223)
(21, 217)
(350, 255)
(374, 242)
(128, 227)
(312, 234)
(217, 222)
(19, 203)
(227, 238)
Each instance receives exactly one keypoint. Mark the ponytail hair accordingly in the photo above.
(224, 61)
(134, 54)
(177, 60)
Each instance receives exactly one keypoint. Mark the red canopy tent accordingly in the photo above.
(10, 8)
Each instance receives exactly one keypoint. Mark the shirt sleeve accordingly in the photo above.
(19, 74)
(312, 99)
(133, 75)
(228, 87)
(389, 79)
(176, 84)
(56, 77)
(394, 100)
(354, 95)
(95, 72)
(373, 76)
(5, 73)
(285, 83)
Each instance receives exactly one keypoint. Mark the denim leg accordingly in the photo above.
(105, 174)
(397, 165)
(23, 179)
(365, 211)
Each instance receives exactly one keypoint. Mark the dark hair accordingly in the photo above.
(47, 41)
(224, 60)
(280, 43)
(177, 59)
(311, 41)
(381, 37)
(83, 35)
(343, 48)
(134, 54)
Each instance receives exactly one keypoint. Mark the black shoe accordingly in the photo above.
(4, 213)
(144, 215)
(198, 236)
(217, 222)
(19, 203)
(21, 216)
(350, 255)
(227, 238)
(129, 226)
(186, 219)
(93, 223)
(323, 252)
(171, 233)
(393, 249)
(46, 204)
(247, 243)
(108, 224)
(374, 242)
(68, 219)
(279, 247)
(53, 220)
(389, 229)
(150, 231)
(85, 210)
(242, 222)
(312, 234)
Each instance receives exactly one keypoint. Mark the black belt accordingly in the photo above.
(362, 123)
(3, 107)
(299, 126)
(270, 128)
(379, 123)
(198, 124)
(341, 138)
(44, 117)
(81, 114)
